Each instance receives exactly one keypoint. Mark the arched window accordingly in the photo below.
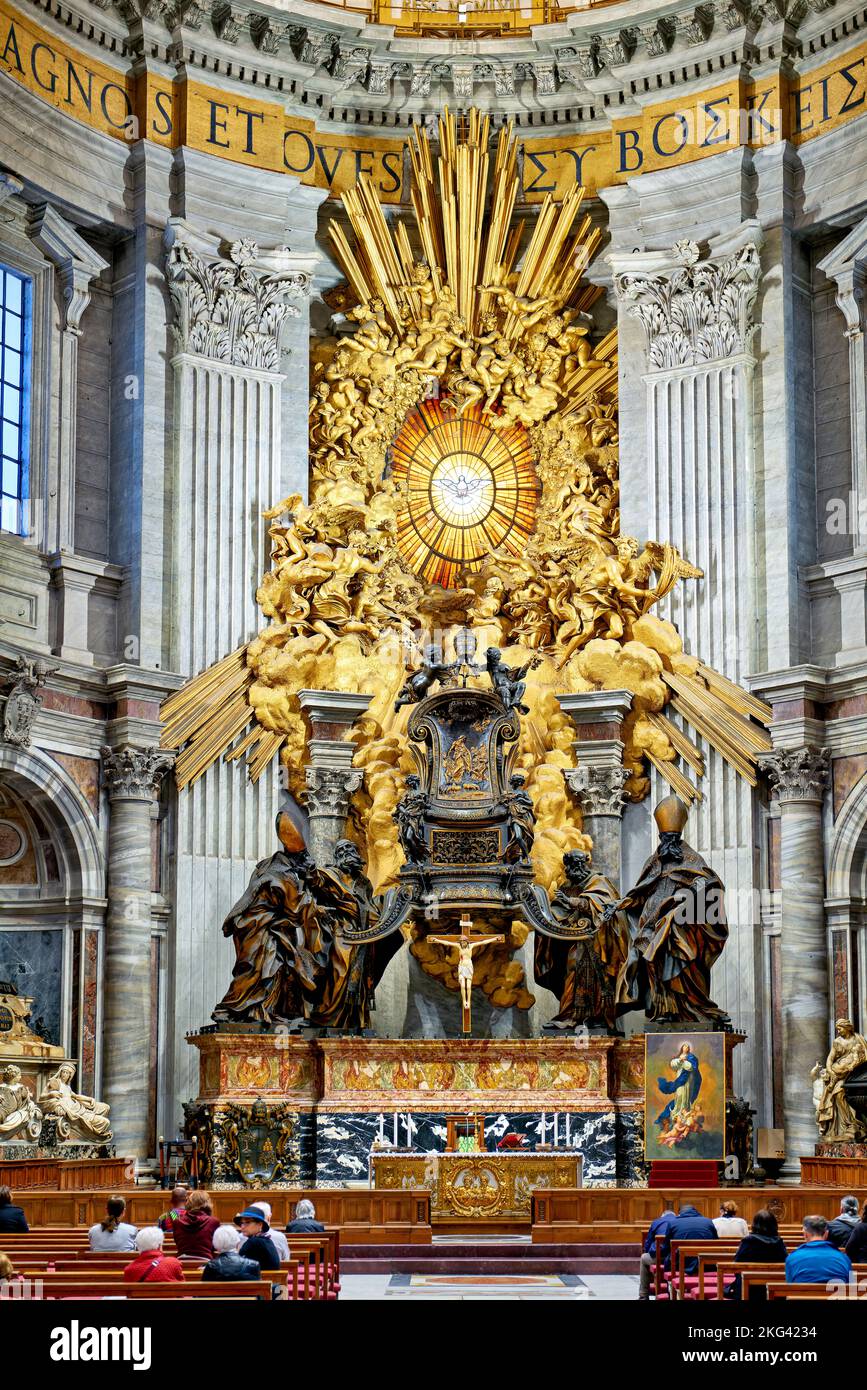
(15, 337)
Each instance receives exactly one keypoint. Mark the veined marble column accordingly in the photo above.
(233, 308)
(599, 777)
(798, 777)
(331, 778)
(697, 316)
(132, 777)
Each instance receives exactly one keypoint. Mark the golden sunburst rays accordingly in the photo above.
(730, 720)
(463, 213)
(469, 490)
(207, 714)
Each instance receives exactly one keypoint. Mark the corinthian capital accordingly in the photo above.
(797, 774)
(699, 312)
(598, 789)
(232, 307)
(329, 789)
(134, 774)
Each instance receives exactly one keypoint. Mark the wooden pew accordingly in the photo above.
(333, 1233)
(316, 1247)
(287, 1276)
(681, 1251)
(753, 1277)
(785, 1291)
(241, 1288)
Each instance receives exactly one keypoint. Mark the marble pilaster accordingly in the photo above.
(847, 267)
(234, 301)
(132, 777)
(798, 777)
(331, 778)
(599, 776)
(696, 310)
(76, 264)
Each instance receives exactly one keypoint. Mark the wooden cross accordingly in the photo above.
(465, 944)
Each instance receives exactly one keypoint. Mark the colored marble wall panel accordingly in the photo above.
(33, 961)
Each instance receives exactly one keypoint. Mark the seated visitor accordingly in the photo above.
(7, 1269)
(179, 1201)
(728, 1223)
(658, 1234)
(762, 1246)
(227, 1263)
(150, 1265)
(280, 1241)
(841, 1228)
(257, 1246)
(305, 1222)
(856, 1245)
(113, 1233)
(195, 1226)
(816, 1261)
(12, 1218)
(689, 1224)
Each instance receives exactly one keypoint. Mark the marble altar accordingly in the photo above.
(478, 1185)
(334, 1099)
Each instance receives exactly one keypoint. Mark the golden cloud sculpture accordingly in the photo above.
(463, 444)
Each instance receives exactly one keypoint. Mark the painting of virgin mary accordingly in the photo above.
(685, 1087)
(684, 1096)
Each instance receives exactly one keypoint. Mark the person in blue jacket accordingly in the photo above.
(817, 1261)
(656, 1236)
(689, 1224)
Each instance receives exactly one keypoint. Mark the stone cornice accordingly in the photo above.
(593, 64)
(820, 684)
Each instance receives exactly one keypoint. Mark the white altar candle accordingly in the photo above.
(382, 1129)
(556, 1130)
(568, 1130)
(395, 1128)
(542, 1135)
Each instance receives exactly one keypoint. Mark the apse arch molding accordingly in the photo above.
(66, 812)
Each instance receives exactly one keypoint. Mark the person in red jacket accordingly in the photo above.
(194, 1229)
(150, 1264)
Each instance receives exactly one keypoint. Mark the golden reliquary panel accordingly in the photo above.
(478, 1185)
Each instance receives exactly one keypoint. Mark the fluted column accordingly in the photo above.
(599, 777)
(798, 777)
(331, 779)
(132, 777)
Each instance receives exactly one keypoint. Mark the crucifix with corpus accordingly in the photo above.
(465, 944)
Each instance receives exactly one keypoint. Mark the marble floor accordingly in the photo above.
(607, 1287)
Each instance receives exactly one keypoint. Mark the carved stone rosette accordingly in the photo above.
(700, 312)
(598, 789)
(134, 774)
(797, 774)
(227, 309)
